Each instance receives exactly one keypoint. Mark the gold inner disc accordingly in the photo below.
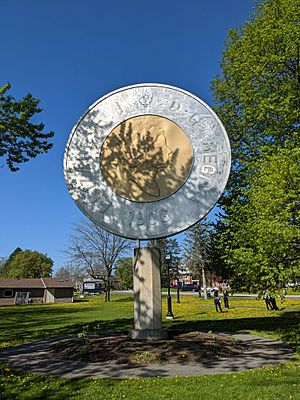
(146, 158)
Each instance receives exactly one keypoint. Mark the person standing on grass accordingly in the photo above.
(217, 301)
(273, 303)
(226, 298)
(267, 299)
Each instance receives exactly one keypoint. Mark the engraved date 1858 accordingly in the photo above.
(148, 218)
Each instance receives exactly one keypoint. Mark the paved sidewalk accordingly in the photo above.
(34, 357)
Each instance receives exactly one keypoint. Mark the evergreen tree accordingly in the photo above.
(197, 250)
(124, 272)
(167, 246)
(6, 265)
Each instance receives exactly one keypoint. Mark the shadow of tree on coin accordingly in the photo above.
(140, 161)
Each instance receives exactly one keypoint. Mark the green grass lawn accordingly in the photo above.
(295, 290)
(26, 323)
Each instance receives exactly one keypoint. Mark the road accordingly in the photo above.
(187, 293)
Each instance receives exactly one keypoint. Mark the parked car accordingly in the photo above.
(209, 291)
(187, 287)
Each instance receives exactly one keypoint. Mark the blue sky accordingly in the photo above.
(69, 53)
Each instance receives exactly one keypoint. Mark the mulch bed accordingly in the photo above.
(116, 348)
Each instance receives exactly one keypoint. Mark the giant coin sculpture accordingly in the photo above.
(147, 161)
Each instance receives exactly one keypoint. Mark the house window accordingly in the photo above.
(8, 293)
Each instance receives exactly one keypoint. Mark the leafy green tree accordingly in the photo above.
(20, 138)
(257, 92)
(29, 264)
(265, 230)
(257, 96)
(124, 272)
(3, 260)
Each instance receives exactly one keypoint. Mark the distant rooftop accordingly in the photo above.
(36, 283)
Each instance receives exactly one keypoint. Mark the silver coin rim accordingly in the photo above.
(225, 176)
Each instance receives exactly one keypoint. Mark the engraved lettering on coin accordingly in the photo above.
(209, 158)
(164, 215)
(175, 106)
(208, 169)
(141, 218)
(146, 158)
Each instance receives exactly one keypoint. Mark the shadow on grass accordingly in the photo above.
(24, 333)
(285, 326)
(32, 322)
(260, 352)
(44, 387)
(34, 311)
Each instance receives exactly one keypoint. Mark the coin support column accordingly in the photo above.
(147, 295)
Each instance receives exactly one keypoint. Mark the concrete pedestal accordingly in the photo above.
(147, 295)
